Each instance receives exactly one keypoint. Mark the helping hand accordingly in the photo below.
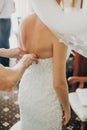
(28, 59)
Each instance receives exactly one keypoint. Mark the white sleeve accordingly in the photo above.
(1, 5)
(57, 20)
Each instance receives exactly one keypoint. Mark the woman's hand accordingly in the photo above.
(28, 59)
(16, 53)
(66, 116)
(15, 73)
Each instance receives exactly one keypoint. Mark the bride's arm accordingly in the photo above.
(59, 76)
(50, 12)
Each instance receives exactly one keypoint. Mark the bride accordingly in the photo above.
(43, 93)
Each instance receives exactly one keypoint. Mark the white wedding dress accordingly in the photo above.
(39, 106)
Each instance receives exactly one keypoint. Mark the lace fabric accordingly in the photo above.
(40, 108)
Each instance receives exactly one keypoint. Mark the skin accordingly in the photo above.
(12, 53)
(10, 76)
(58, 1)
(36, 38)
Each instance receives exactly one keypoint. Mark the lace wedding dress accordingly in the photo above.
(39, 105)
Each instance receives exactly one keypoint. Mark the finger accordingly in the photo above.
(65, 121)
(22, 52)
(34, 55)
(35, 60)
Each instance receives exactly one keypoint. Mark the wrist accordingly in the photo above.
(66, 107)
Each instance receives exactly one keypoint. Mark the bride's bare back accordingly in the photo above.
(36, 37)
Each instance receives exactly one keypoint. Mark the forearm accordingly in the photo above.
(15, 73)
(62, 93)
(12, 53)
(4, 82)
(10, 76)
(5, 52)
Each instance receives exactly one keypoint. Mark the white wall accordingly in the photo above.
(23, 7)
(85, 4)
